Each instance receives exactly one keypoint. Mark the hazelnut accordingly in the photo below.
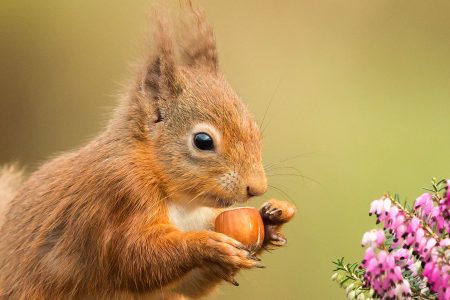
(244, 224)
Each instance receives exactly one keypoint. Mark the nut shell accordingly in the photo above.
(244, 224)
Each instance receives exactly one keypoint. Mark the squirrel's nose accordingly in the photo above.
(257, 187)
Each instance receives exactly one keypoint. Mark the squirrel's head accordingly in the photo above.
(185, 115)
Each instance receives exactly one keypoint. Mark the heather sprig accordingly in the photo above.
(409, 257)
(351, 277)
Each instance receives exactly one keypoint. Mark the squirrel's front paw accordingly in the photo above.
(275, 213)
(226, 256)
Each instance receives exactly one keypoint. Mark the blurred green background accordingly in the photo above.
(360, 103)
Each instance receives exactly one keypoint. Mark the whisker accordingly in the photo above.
(275, 168)
(190, 188)
(198, 195)
(263, 129)
(270, 103)
(299, 176)
(281, 192)
(286, 174)
(289, 159)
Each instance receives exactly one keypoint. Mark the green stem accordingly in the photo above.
(410, 215)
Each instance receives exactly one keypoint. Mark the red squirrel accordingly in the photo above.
(130, 214)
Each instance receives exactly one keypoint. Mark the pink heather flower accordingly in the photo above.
(406, 288)
(448, 190)
(419, 201)
(443, 219)
(445, 242)
(430, 244)
(373, 238)
(414, 224)
(425, 202)
(387, 204)
(437, 270)
(413, 245)
(384, 276)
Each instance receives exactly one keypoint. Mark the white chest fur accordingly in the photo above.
(191, 218)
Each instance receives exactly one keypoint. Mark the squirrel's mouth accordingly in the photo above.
(216, 201)
(222, 202)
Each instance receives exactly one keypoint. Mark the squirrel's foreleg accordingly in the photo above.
(146, 260)
(151, 258)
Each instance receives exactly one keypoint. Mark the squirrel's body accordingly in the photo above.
(129, 214)
(72, 209)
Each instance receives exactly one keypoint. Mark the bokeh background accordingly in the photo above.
(357, 95)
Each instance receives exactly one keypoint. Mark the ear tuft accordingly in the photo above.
(196, 39)
(159, 79)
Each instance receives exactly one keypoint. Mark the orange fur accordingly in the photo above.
(10, 179)
(95, 223)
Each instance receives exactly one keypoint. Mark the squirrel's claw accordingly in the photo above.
(277, 212)
(233, 281)
(278, 239)
(254, 257)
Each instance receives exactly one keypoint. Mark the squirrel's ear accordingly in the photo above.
(197, 41)
(159, 77)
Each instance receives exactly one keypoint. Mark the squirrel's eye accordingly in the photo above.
(203, 141)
